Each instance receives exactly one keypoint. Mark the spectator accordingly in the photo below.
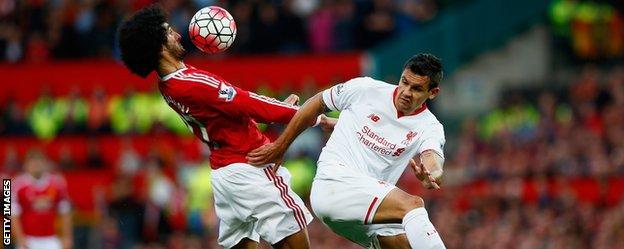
(39, 30)
(321, 28)
(97, 120)
(40, 198)
(46, 116)
(13, 119)
(129, 161)
(75, 111)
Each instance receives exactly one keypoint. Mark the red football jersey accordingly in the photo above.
(222, 115)
(38, 201)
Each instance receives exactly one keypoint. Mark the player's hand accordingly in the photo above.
(67, 243)
(423, 175)
(292, 99)
(326, 123)
(266, 154)
(275, 166)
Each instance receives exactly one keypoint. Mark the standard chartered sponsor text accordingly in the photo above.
(375, 142)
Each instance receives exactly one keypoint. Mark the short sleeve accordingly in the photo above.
(341, 96)
(433, 139)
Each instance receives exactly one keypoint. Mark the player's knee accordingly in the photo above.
(412, 203)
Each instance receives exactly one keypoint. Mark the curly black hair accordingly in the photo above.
(426, 65)
(141, 39)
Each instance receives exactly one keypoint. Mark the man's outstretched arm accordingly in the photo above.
(433, 163)
(273, 152)
(429, 170)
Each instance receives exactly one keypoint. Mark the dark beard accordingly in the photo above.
(180, 54)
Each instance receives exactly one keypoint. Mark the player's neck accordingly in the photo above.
(168, 64)
(37, 176)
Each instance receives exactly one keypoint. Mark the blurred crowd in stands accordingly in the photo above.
(130, 113)
(589, 29)
(544, 169)
(38, 30)
(97, 113)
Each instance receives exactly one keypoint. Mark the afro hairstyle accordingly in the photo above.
(141, 38)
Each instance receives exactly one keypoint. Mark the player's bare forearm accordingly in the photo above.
(273, 152)
(433, 163)
(306, 115)
(66, 229)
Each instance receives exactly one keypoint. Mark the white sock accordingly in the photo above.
(420, 231)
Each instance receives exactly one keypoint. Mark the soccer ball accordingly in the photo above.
(212, 29)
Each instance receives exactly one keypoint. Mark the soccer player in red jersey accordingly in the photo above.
(251, 202)
(39, 197)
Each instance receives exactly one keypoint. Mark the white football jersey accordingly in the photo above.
(370, 136)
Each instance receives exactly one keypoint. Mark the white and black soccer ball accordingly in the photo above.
(212, 29)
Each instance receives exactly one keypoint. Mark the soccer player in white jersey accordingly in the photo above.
(381, 129)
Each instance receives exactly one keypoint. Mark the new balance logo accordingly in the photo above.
(374, 117)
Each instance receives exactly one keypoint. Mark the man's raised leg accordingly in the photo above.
(393, 242)
(401, 207)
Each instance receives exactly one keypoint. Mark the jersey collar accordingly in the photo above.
(400, 114)
(168, 76)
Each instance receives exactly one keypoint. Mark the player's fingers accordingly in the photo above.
(256, 151)
(260, 151)
(434, 185)
(256, 159)
(414, 166)
(292, 99)
(424, 169)
(323, 119)
(431, 183)
(276, 166)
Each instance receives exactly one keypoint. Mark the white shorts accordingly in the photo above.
(256, 203)
(48, 242)
(347, 200)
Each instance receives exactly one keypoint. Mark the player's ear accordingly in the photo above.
(434, 93)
